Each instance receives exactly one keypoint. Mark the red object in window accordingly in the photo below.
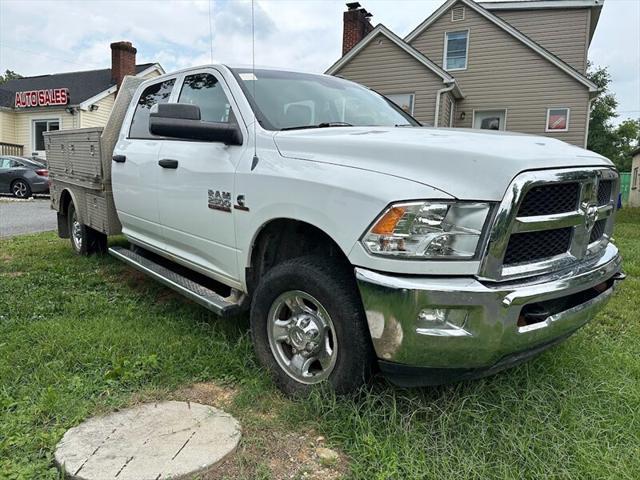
(557, 122)
(43, 172)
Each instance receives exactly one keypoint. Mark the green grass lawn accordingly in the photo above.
(80, 336)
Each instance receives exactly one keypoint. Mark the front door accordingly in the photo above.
(136, 171)
(489, 119)
(5, 166)
(196, 184)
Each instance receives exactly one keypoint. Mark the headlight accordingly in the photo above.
(429, 230)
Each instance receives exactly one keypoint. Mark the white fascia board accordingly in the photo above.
(381, 29)
(509, 29)
(96, 98)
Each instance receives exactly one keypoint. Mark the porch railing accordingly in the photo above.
(11, 149)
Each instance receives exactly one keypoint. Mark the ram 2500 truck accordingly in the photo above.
(357, 239)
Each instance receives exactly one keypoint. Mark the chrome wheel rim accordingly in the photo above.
(76, 232)
(20, 189)
(302, 337)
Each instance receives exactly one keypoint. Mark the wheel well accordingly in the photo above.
(283, 239)
(65, 200)
(20, 179)
(63, 222)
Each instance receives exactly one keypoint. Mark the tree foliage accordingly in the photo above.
(9, 75)
(614, 142)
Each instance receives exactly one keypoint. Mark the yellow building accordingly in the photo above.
(32, 105)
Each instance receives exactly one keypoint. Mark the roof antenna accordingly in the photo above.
(210, 32)
(254, 162)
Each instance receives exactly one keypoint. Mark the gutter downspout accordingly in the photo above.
(438, 95)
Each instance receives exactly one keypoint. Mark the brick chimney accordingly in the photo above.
(356, 26)
(123, 61)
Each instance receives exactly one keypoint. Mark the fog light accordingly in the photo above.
(442, 321)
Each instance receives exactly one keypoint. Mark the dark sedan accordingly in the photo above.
(23, 176)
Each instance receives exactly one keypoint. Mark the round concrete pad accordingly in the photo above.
(152, 441)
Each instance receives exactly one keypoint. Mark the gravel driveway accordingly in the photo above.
(18, 217)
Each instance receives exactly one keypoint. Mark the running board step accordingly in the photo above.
(206, 297)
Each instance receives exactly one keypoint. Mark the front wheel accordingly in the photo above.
(308, 326)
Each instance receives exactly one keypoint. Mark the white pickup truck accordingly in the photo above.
(357, 239)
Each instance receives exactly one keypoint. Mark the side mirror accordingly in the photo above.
(182, 120)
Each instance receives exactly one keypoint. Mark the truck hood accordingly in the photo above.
(468, 164)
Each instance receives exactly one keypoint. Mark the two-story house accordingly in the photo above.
(512, 65)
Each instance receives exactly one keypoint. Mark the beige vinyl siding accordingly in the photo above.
(504, 74)
(386, 68)
(99, 117)
(445, 109)
(564, 32)
(634, 187)
(7, 127)
(152, 74)
(24, 122)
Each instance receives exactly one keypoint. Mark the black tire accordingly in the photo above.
(333, 285)
(86, 240)
(21, 189)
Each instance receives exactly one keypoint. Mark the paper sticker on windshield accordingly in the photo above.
(248, 76)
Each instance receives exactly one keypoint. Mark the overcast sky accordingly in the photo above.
(40, 36)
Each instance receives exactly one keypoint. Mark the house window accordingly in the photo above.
(634, 178)
(557, 120)
(490, 119)
(40, 127)
(403, 100)
(457, 13)
(456, 45)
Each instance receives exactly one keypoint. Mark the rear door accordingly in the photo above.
(135, 167)
(196, 197)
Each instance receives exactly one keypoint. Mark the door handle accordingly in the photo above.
(168, 163)
(119, 158)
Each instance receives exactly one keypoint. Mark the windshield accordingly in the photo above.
(291, 100)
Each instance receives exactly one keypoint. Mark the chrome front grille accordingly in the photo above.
(605, 188)
(549, 199)
(549, 220)
(533, 246)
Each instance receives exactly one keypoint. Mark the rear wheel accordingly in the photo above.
(308, 326)
(20, 189)
(84, 240)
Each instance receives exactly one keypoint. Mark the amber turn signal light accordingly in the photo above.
(387, 224)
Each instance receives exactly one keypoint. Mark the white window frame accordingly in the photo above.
(33, 130)
(444, 54)
(411, 94)
(483, 110)
(634, 179)
(556, 130)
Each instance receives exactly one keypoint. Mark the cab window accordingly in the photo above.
(205, 91)
(152, 95)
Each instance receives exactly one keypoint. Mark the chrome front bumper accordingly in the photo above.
(491, 331)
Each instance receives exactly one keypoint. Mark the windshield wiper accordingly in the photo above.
(320, 125)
